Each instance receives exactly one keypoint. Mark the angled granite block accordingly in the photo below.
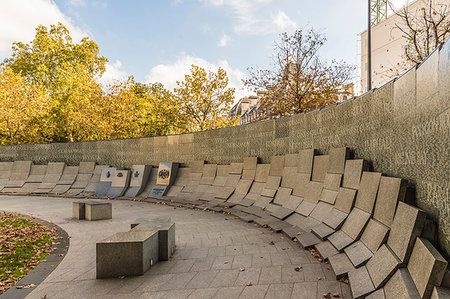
(37, 173)
(243, 186)
(276, 166)
(352, 173)
(407, 226)
(224, 192)
(166, 236)
(358, 253)
(79, 210)
(326, 249)
(293, 202)
(273, 182)
(345, 199)
(440, 293)
(340, 264)
(313, 192)
(301, 183)
(374, 235)
(382, 266)
(305, 161)
(248, 174)
(282, 213)
(257, 188)
(305, 208)
(340, 240)
(120, 183)
(320, 168)
(367, 191)
(246, 202)
(390, 192)
(335, 219)
(400, 285)
(355, 223)
(337, 159)
(250, 163)
(328, 196)
(426, 266)
(196, 166)
(289, 177)
(322, 231)
(283, 195)
(332, 181)
(140, 175)
(235, 198)
(235, 168)
(308, 239)
(360, 282)
(379, 294)
(209, 171)
(269, 192)
(262, 172)
(321, 211)
(232, 180)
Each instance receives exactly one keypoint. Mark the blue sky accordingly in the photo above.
(157, 40)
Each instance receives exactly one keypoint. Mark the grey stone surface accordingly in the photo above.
(345, 200)
(243, 186)
(262, 172)
(374, 235)
(224, 193)
(313, 192)
(407, 226)
(127, 254)
(293, 202)
(159, 191)
(360, 282)
(273, 182)
(335, 219)
(355, 223)
(166, 236)
(235, 198)
(60, 189)
(379, 294)
(120, 183)
(337, 159)
(167, 172)
(269, 192)
(305, 161)
(140, 175)
(358, 253)
(69, 175)
(305, 208)
(367, 191)
(390, 192)
(196, 166)
(308, 239)
(322, 231)
(352, 173)
(102, 186)
(79, 210)
(321, 211)
(341, 265)
(332, 181)
(328, 196)
(326, 249)
(276, 166)
(440, 293)
(82, 180)
(37, 173)
(86, 167)
(340, 240)
(19, 172)
(235, 168)
(173, 191)
(426, 266)
(301, 182)
(289, 177)
(257, 188)
(382, 266)
(98, 210)
(401, 286)
(232, 180)
(248, 174)
(320, 168)
(5, 170)
(282, 213)
(283, 195)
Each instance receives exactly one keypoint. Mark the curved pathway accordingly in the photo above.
(217, 256)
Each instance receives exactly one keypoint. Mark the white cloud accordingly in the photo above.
(283, 22)
(113, 72)
(168, 74)
(223, 42)
(77, 3)
(18, 20)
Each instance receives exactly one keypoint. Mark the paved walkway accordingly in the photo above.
(211, 249)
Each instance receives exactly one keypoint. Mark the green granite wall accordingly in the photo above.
(402, 128)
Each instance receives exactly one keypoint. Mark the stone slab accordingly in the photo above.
(126, 254)
(352, 173)
(308, 239)
(355, 223)
(20, 170)
(379, 294)
(262, 202)
(248, 174)
(335, 219)
(232, 180)
(374, 235)
(313, 192)
(235, 198)
(426, 266)
(246, 202)
(54, 172)
(250, 163)
(159, 191)
(166, 236)
(174, 191)
(322, 231)
(282, 213)
(328, 196)
(29, 187)
(367, 191)
(222, 170)
(340, 240)
(358, 253)
(196, 166)
(209, 170)
(273, 182)
(291, 160)
(382, 266)
(140, 174)
(345, 200)
(243, 186)
(82, 180)
(321, 211)
(269, 192)
(326, 249)
(289, 177)
(5, 170)
(37, 173)
(301, 183)
(107, 174)
(332, 181)
(235, 168)
(341, 265)
(305, 208)
(337, 159)
(257, 187)
(219, 181)
(86, 167)
(440, 293)
(283, 195)
(60, 189)
(305, 161)
(167, 172)
(262, 172)
(360, 282)
(400, 285)
(407, 226)
(293, 202)
(69, 175)
(79, 210)
(74, 192)
(276, 166)
(390, 192)
(320, 168)
(98, 210)
(224, 193)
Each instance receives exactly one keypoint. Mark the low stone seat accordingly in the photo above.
(127, 253)
(79, 210)
(166, 229)
(98, 210)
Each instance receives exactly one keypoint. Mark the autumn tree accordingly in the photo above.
(205, 100)
(299, 80)
(423, 28)
(22, 107)
(67, 71)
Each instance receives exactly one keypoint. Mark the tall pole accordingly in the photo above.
(369, 49)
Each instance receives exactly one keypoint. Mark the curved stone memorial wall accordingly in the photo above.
(402, 128)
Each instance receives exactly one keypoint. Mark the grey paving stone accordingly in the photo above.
(382, 265)
(262, 172)
(440, 293)
(254, 291)
(203, 293)
(313, 272)
(374, 235)
(289, 177)
(367, 191)
(307, 290)
(308, 239)
(301, 182)
(270, 275)
(400, 285)
(289, 274)
(345, 199)
(407, 226)
(326, 249)
(332, 181)
(335, 219)
(360, 282)
(248, 174)
(322, 231)
(358, 253)
(379, 294)
(355, 223)
(313, 192)
(283, 195)
(352, 173)
(276, 291)
(320, 168)
(426, 266)
(390, 192)
(247, 276)
(321, 211)
(340, 240)
(328, 196)
(293, 202)
(250, 163)
(341, 265)
(228, 293)
(305, 208)
(276, 166)
(235, 168)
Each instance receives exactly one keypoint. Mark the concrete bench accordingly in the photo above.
(127, 253)
(92, 210)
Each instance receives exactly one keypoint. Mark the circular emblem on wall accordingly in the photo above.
(163, 174)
